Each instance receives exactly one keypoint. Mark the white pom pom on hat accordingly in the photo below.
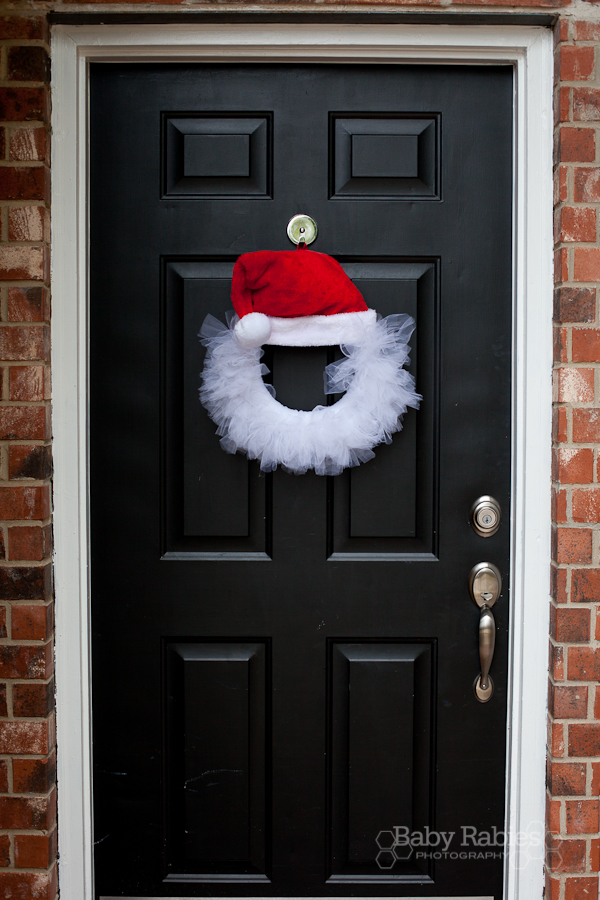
(253, 330)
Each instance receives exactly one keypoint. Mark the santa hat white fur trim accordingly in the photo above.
(304, 331)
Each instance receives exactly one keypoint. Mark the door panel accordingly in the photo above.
(283, 665)
(215, 757)
(382, 716)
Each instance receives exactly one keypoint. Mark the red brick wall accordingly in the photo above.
(27, 795)
(574, 697)
(27, 766)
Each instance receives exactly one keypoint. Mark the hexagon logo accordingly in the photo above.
(385, 859)
(403, 851)
(386, 840)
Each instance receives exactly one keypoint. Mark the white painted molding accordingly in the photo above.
(529, 50)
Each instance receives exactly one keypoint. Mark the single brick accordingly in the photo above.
(22, 263)
(557, 740)
(570, 625)
(595, 778)
(576, 63)
(35, 851)
(34, 776)
(29, 461)
(557, 662)
(3, 706)
(19, 342)
(562, 184)
(585, 585)
(25, 583)
(584, 740)
(586, 105)
(552, 887)
(562, 105)
(587, 185)
(568, 702)
(2, 142)
(31, 623)
(4, 850)
(587, 31)
(575, 465)
(25, 502)
(586, 505)
(3, 629)
(561, 264)
(28, 144)
(577, 144)
(25, 104)
(29, 383)
(586, 426)
(28, 542)
(595, 855)
(566, 856)
(583, 664)
(4, 777)
(558, 578)
(559, 506)
(566, 779)
(24, 423)
(559, 424)
(23, 27)
(23, 183)
(24, 738)
(586, 266)
(25, 662)
(581, 888)
(560, 32)
(560, 345)
(28, 304)
(28, 63)
(553, 814)
(582, 816)
(27, 223)
(574, 304)
(28, 885)
(24, 812)
(35, 700)
(575, 385)
(586, 345)
(576, 224)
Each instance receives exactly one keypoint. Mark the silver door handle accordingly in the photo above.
(485, 584)
(487, 642)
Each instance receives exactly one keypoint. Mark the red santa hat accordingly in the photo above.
(296, 298)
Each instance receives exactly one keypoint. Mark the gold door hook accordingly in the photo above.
(302, 229)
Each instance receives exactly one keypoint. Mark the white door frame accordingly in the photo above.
(529, 50)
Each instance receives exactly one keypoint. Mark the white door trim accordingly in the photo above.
(529, 50)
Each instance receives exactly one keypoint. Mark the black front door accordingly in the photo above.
(283, 665)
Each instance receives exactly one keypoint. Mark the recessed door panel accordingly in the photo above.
(216, 774)
(382, 717)
(214, 501)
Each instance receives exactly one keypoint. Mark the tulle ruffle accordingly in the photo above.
(328, 439)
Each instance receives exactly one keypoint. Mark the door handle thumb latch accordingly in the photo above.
(485, 584)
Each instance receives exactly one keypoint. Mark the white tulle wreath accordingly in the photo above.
(327, 439)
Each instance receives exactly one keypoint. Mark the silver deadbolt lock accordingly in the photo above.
(486, 516)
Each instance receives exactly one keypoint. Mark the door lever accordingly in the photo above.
(485, 585)
(484, 686)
